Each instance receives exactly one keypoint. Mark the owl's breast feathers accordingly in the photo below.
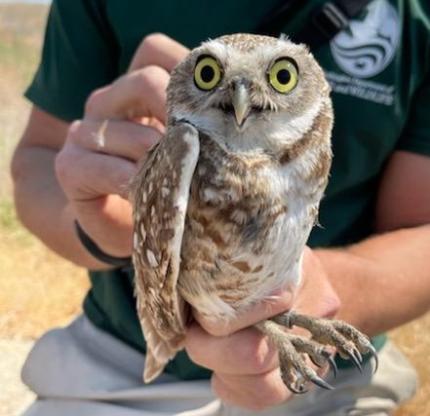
(248, 218)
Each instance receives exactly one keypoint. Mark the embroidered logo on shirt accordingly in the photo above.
(364, 50)
(368, 46)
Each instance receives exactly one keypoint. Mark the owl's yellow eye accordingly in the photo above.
(283, 75)
(207, 73)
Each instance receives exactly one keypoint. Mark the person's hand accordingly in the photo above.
(122, 122)
(245, 365)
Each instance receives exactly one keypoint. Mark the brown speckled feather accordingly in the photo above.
(160, 196)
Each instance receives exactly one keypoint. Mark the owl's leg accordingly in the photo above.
(295, 371)
(349, 342)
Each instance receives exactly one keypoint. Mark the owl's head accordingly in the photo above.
(249, 92)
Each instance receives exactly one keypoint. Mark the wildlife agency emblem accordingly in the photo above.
(369, 44)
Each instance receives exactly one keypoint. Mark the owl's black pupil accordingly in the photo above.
(283, 76)
(207, 74)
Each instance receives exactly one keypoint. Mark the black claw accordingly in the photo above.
(333, 366)
(355, 360)
(331, 362)
(374, 354)
(357, 355)
(321, 383)
(315, 362)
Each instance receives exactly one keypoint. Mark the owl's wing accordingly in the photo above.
(160, 195)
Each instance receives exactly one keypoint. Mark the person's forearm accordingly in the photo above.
(383, 281)
(43, 208)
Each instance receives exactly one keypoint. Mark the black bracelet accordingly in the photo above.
(97, 252)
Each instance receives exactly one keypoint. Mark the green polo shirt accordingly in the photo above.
(378, 69)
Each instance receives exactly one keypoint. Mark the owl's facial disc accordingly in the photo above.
(281, 76)
(247, 94)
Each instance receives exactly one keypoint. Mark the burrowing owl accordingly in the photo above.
(224, 204)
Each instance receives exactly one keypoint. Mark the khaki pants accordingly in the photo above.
(83, 371)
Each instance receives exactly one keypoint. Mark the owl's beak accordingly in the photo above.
(240, 101)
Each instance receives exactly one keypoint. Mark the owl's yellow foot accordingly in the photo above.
(349, 342)
(292, 349)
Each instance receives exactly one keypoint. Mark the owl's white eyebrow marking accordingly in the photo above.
(218, 49)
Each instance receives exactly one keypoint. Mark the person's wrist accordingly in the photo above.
(342, 267)
(97, 252)
(317, 295)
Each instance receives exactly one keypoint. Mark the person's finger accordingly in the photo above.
(88, 175)
(269, 307)
(244, 352)
(141, 93)
(117, 138)
(160, 50)
(254, 392)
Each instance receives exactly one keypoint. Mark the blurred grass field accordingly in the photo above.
(39, 290)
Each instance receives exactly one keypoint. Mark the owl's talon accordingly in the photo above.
(318, 381)
(333, 366)
(355, 360)
(349, 342)
(357, 354)
(374, 354)
(362, 342)
(292, 349)
(328, 359)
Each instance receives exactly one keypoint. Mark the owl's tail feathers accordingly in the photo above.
(157, 358)
(162, 343)
(153, 367)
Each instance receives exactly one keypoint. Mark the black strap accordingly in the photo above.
(323, 24)
(330, 19)
(97, 252)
